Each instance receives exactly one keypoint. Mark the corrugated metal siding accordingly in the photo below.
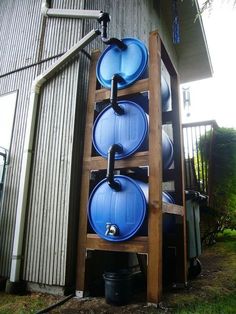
(128, 19)
(47, 228)
(20, 81)
(20, 30)
(61, 33)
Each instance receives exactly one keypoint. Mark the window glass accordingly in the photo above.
(7, 111)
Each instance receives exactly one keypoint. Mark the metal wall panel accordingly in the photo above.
(61, 33)
(20, 81)
(20, 31)
(46, 239)
(47, 228)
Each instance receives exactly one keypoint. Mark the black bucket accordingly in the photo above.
(118, 287)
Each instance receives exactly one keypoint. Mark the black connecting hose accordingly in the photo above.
(51, 307)
(115, 148)
(104, 19)
(113, 97)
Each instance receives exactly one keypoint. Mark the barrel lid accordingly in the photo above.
(125, 209)
(129, 63)
(129, 129)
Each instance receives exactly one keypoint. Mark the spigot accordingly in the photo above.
(112, 230)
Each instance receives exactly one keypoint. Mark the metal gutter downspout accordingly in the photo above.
(82, 14)
(28, 150)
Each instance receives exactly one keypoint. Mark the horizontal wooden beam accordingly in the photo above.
(200, 123)
(138, 87)
(98, 163)
(172, 209)
(135, 245)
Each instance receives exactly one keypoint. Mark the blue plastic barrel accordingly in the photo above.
(130, 63)
(124, 210)
(118, 216)
(130, 130)
(165, 95)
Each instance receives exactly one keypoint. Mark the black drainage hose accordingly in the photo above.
(51, 307)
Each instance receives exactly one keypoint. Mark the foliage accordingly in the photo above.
(25, 304)
(220, 154)
(218, 305)
(207, 4)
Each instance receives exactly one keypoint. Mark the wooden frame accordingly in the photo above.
(151, 244)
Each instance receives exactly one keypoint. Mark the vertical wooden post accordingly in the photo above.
(82, 231)
(181, 262)
(154, 269)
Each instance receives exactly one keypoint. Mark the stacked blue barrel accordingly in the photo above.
(118, 205)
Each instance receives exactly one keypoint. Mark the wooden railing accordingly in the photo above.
(197, 170)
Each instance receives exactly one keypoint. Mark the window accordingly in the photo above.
(7, 112)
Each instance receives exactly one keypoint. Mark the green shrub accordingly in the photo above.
(220, 154)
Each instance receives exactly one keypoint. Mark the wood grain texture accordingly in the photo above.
(137, 160)
(154, 270)
(82, 230)
(173, 209)
(135, 245)
(140, 86)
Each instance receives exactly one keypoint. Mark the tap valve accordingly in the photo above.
(112, 230)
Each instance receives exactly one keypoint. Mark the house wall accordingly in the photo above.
(29, 44)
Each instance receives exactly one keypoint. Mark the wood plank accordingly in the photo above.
(137, 160)
(135, 245)
(154, 271)
(82, 230)
(200, 123)
(139, 86)
(173, 209)
(179, 179)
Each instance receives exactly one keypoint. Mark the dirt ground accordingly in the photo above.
(218, 278)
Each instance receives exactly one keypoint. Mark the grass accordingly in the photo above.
(217, 305)
(213, 292)
(30, 303)
(217, 291)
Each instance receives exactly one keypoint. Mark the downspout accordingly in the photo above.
(70, 13)
(28, 149)
(103, 18)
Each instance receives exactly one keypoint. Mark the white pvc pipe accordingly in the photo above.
(28, 147)
(82, 14)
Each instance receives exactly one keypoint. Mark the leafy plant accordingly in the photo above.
(220, 154)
